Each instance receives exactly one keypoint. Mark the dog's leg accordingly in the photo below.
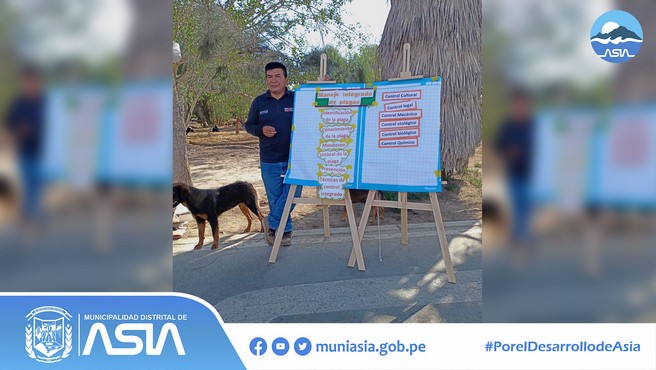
(377, 212)
(252, 204)
(201, 232)
(374, 213)
(249, 218)
(214, 224)
(259, 215)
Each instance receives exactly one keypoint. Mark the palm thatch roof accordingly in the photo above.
(445, 38)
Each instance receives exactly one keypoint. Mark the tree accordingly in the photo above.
(445, 38)
(358, 67)
(283, 24)
(211, 42)
(222, 44)
(363, 66)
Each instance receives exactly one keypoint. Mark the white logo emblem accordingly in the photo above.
(49, 332)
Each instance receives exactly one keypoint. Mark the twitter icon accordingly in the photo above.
(302, 346)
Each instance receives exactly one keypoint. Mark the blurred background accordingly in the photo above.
(569, 180)
(569, 156)
(85, 153)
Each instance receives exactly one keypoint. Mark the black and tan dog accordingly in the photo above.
(207, 205)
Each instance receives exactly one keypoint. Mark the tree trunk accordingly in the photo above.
(181, 171)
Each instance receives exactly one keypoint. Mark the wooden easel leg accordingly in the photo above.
(403, 199)
(283, 222)
(363, 223)
(354, 233)
(365, 213)
(326, 221)
(441, 235)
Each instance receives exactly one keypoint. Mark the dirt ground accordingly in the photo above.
(219, 158)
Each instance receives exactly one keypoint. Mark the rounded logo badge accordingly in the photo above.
(48, 334)
(616, 36)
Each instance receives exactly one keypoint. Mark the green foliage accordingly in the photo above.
(358, 67)
(417, 196)
(474, 177)
(363, 66)
(390, 195)
(283, 25)
(225, 45)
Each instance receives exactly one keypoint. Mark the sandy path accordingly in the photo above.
(219, 158)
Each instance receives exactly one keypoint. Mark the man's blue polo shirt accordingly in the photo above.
(269, 111)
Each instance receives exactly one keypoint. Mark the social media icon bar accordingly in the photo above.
(258, 346)
(280, 346)
(302, 346)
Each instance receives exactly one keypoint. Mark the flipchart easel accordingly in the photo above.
(356, 251)
(402, 202)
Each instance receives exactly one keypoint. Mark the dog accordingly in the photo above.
(208, 205)
(360, 196)
(9, 200)
(6, 190)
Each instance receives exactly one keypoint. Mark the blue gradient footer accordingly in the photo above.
(112, 331)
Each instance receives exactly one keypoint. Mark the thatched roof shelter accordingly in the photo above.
(445, 38)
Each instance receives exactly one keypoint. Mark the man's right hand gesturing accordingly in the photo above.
(268, 131)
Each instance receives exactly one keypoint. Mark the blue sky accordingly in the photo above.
(370, 14)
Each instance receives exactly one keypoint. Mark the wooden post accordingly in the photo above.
(405, 69)
(403, 205)
(441, 234)
(323, 71)
(283, 221)
(326, 221)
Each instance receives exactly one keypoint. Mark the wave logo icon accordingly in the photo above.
(616, 36)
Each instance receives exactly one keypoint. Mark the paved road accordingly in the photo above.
(310, 281)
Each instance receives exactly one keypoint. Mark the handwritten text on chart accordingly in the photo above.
(339, 170)
(345, 98)
(399, 121)
(331, 194)
(400, 106)
(336, 132)
(346, 94)
(337, 116)
(334, 157)
(332, 187)
(407, 114)
(393, 143)
(402, 95)
(385, 125)
(335, 180)
(333, 145)
(397, 134)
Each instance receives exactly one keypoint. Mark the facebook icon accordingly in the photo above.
(258, 346)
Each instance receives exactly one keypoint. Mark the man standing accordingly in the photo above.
(270, 119)
(514, 144)
(25, 122)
